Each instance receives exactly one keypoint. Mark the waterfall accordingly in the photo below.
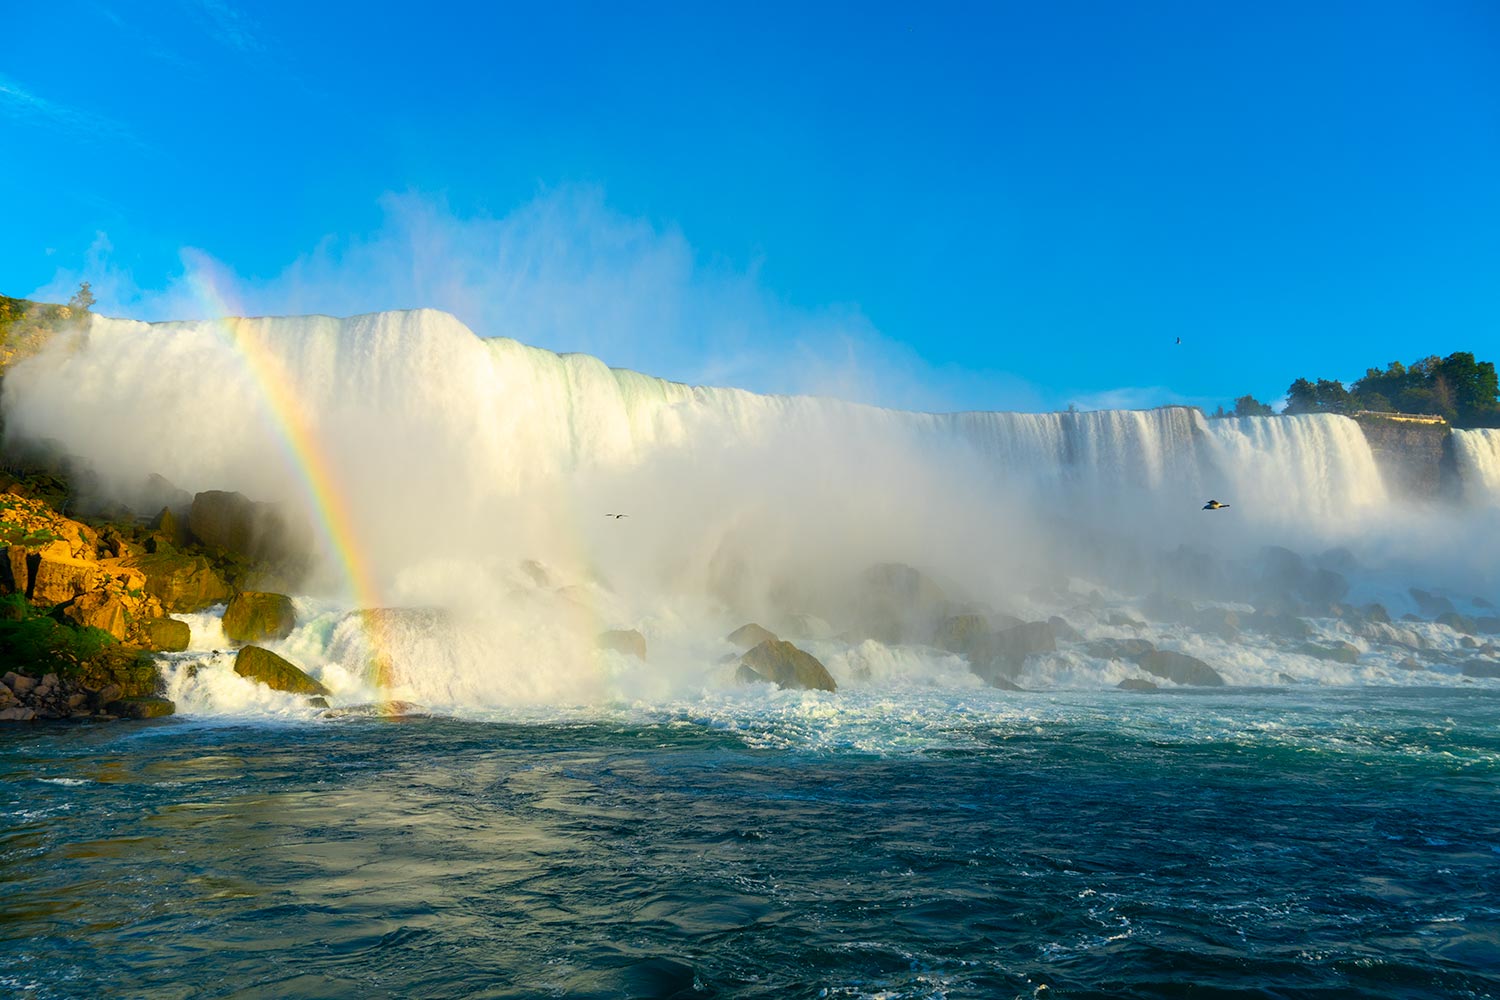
(1478, 455)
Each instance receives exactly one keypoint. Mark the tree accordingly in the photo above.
(1249, 406)
(83, 299)
(1332, 396)
(1302, 397)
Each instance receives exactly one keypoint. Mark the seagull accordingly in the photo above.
(1179, 340)
(1215, 505)
(616, 516)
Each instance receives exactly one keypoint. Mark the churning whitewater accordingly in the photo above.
(463, 485)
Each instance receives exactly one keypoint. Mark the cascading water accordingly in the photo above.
(1478, 456)
(435, 465)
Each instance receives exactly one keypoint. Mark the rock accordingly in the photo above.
(317, 701)
(1480, 602)
(802, 626)
(1278, 624)
(167, 527)
(99, 609)
(141, 708)
(1339, 652)
(20, 684)
(278, 674)
(17, 713)
(1324, 587)
(1481, 668)
(1125, 621)
(784, 664)
(750, 635)
(1002, 655)
(109, 693)
(1219, 621)
(1410, 664)
(15, 572)
(237, 525)
(132, 670)
(1488, 625)
(1137, 684)
(1179, 668)
(962, 633)
(1162, 608)
(1430, 605)
(183, 583)
(57, 579)
(624, 641)
(1062, 631)
(255, 615)
(1457, 622)
(898, 603)
(1375, 613)
(1119, 649)
(167, 634)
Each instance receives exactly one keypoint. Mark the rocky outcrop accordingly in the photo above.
(183, 583)
(627, 641)
(750, 635)
(898, 603)
(784, 664)
(255, 615)
(105, 687)
(1338, 652)
(276, 673)
(257, 532)
(1179, 668)
(1415, 457)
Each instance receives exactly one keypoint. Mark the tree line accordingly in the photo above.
(1460, 389)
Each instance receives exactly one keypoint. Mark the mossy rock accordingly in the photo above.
(133, 669)
(141, 708)
(254, 615)
(784, 664)
(183, 582)
(276, 673)
(167, 634)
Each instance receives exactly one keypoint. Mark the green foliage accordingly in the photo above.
(15, 534)
(1459, 388)
(1249, 406)
(35, 644)
(83, 299)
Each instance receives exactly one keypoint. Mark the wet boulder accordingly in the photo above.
(784, 664)
(166, 634)
(898, 603)
(1179, 668)
(141, 708)
(254, 615)
(279, 674)
(1429, 604)
(1338, 652)
(1457, 622)
(1137, 684)
(627, 641)
(1119, 649)
(1481, 668)
(750, 635)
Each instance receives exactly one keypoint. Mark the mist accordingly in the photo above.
(472, 479)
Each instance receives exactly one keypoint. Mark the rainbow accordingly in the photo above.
(316, 472)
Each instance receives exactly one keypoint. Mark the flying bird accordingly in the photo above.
(1215, 505)
(616, 516)
(1179, 340)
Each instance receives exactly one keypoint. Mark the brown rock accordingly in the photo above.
(98, 609)
(750, 635)
(275, 672)
(255, 615)
(784, 664)
(58, 579)
(166, 634)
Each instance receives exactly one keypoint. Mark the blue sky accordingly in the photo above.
(967, 206)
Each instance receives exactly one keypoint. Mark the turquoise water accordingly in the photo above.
(1330, 843)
